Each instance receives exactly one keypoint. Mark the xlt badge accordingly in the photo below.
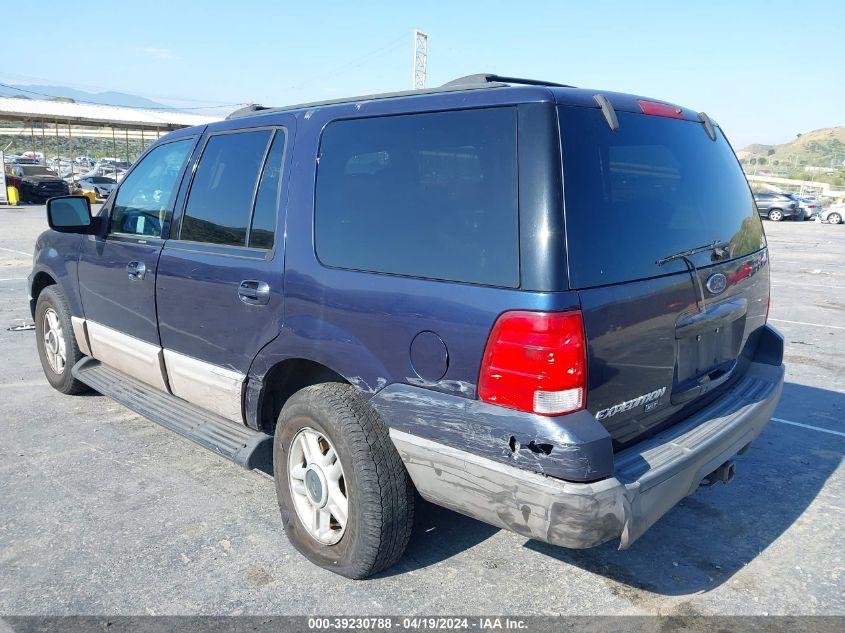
(648, 399)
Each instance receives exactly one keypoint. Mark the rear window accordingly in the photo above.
(426, 195)
(652, 188)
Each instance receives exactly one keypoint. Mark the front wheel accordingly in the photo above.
(57, 347)
(775, 215)
(834, 218)
(346, 500)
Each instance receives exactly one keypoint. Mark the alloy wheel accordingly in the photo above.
(54, 341)
(318, 486)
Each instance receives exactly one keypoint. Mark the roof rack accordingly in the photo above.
(247, 110)
(470, 82)
(488, 78)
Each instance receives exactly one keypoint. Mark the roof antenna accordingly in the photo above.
(608, 111)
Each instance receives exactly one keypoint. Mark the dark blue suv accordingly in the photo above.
(540, 306)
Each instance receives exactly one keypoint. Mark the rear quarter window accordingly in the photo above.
(429, 195)
(652, 188)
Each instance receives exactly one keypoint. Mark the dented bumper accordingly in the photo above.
(648, 479)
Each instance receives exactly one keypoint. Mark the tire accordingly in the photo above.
(57, 347)
(834, 218)
(775, 215)
(379, 492)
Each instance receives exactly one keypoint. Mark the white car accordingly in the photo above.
(100, 185)
(834, 214)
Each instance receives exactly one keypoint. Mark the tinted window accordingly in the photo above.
(145, 197)
(266, 200)
(36, 170)
(220, 201)
(427, 195)
(652, 188)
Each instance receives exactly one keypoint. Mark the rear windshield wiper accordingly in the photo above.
(720, 251)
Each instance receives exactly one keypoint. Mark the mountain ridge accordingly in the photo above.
(112, 98)
(824, 147)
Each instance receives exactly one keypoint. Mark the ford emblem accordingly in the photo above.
(716, 283)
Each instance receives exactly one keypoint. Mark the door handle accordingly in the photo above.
(253, 292)
(136, 270)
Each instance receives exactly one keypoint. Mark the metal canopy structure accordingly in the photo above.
(67, 113)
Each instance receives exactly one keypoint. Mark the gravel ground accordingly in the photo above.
(103, 512)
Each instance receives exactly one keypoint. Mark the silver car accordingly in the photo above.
(833, 214)
(100, 185)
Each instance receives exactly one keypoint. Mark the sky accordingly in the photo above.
(765, 70)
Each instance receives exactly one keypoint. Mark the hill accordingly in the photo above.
(819, 148)
(105, 98)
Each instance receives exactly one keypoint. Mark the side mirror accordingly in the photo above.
(70, 214)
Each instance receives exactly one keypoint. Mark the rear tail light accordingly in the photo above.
(535, 362)
(656, 108)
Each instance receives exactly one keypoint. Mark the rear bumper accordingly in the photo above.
(648, 480)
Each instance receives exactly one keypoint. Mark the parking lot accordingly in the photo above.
(104, 512)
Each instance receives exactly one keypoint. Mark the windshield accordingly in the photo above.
(652, 188)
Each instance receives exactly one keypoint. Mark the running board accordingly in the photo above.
(242, 445)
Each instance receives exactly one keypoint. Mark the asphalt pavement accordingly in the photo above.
(104, 512)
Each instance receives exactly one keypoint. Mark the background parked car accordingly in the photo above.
(834, 214)
(809, 206)
(100, 185)
(777, 206)
(36, 183)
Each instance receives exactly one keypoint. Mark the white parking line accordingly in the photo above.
(13, 279)
(832, 327)
(807, 426)
(825, 286)
(12, 250)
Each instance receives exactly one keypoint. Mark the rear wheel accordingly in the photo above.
(57, 347)
(346, 500)
(834, 218)
(775, 215)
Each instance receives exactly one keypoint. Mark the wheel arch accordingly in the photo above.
(40, 281)
(283, 380)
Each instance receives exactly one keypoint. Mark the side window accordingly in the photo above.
(221, 197)
(263, 227)
(146, 195)
(427, 195)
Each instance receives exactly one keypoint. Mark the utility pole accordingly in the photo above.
(420, 60)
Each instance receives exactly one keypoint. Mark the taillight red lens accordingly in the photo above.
(535, 362)
(656, 108)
